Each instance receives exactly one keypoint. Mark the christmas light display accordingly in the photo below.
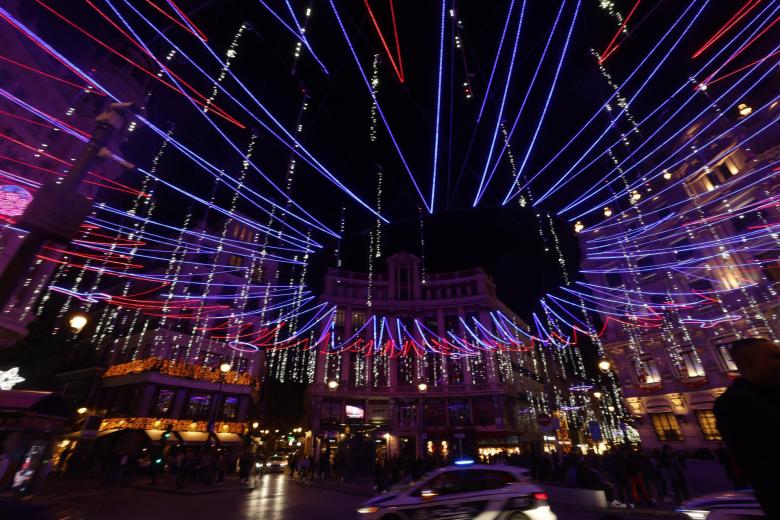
(13, 200)
(10, 378)
(656, 263)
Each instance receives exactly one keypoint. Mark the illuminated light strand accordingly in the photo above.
(636, 184)
(378, 106)
(724, 186)
(674, 233)
(598, 185)
(610, 49)
(146, 71)
(4, 14)
(483, 183)
(664, 166)
(302, 31)
(636, 94)
(58, 124)
(187, 21)
(740, 50)
(397, 67)
(296, 147)
(546, 104)
(298, 35)
(438, 107)
(658, 108)
(174, 20)
(84, 88)
(599, 110)
(725, 76)
(508, 135)
(495, 61)
(741, 13)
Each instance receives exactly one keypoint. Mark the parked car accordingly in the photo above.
(722, 506)
(466, 490)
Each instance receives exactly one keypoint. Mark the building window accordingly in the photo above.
(198, 406)
(330, 414)
(647, 370)
(340, 318)
(709, 430)
(236, 261)
(666, 426)
(484, 411)
(358, 320)
(726, 361)
(459, 413)
(163, 403)
(407, 414)
(691, 364)
(435, 413)
(230, 407)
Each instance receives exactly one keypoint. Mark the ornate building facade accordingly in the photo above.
(409, 401)
(701, 282)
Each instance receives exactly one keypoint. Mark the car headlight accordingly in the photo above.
(367, 510)
(695, 514)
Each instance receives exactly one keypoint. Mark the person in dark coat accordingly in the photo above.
(748, 418)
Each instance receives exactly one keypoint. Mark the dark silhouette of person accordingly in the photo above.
(748, 417)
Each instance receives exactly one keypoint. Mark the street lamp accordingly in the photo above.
(82, 410)
(225, 368)
(77, 322)
(597, 394)
(604, 365)
(422, 387)
(255, 425)
(332, 385)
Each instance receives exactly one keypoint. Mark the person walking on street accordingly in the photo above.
(748, 417)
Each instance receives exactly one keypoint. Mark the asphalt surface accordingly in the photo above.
(273, 497)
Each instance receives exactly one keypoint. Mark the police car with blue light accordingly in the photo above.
(465, 490)
(726, 505)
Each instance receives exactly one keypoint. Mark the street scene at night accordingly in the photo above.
(389, 260)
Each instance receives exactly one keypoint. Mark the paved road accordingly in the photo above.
(275, 497)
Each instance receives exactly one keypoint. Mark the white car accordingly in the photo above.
(466, 490)
(722, 506)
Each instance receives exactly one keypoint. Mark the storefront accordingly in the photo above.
(30, 426)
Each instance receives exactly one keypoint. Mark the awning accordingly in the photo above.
(154, 435)
(193, 437)
(107, 432)
(229, 438)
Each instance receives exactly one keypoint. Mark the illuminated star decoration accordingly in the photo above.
(9, 378)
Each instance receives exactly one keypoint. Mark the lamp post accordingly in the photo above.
(224, 368)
